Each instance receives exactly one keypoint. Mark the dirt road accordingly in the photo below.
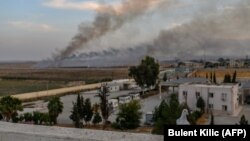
(61, 91)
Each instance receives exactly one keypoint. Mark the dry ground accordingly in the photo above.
(69, 74)
(220, 73)
(22, 80)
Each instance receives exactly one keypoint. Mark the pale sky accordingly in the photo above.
(34, 29)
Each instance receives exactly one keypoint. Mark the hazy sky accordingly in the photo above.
(34, 29)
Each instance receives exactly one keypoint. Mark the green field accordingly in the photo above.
(10, 87)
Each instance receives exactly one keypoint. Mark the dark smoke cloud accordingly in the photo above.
(109, 18)
(219, 34)
(212, 30)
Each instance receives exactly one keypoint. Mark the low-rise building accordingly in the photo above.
(124, 99)
(236, 63)
(135, 95)
(245, 91)
(220, 99)
(113, 87)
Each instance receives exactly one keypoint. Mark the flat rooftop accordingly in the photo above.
(223, 85)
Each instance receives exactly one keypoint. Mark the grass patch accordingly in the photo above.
(11, 87)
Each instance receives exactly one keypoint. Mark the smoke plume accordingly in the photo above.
(224, 33)
(109, 18)
(186, 29)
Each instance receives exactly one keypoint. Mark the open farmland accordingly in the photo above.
(65, 74)
(10, 87)
(14, 81)
(220, 73)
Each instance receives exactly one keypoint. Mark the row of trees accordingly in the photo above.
(228, 79)
(82, 112)
(9, 107)
(212, 78)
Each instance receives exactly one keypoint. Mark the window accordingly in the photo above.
(210, 106)
(185, 94)
(211, 95)
(224, 97)
(197, 94)
(224, 107)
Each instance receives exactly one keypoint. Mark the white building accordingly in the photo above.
(220, 99)
(236, 63)
(113, 87)
(124, 99)
(135, 96)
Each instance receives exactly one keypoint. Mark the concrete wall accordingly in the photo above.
(24, 132)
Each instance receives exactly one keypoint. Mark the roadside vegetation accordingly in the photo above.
(10, 106)
(128, 116)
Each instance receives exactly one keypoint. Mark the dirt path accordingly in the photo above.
(55, 92)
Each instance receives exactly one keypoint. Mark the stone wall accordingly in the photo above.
(24, 132)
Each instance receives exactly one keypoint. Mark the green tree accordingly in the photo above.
(234, 77)
(166, 114)
(129, 115)
(214, 78)
(15, 118)
(165, 77)
(201, 104)
(212, 119)
(87, 111)
(80, 106)
(104, 106)
(9, 106)
(159, 111)
(36, 117)
(44, 118)
(97, 118)
(75, 116)
(77, 113)
(243, 120)
(28, 117)
(211, 76)
(55, 107)
(227, 78)
(21, 118)
(146, 74)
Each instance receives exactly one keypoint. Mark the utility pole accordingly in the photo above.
(47, 85)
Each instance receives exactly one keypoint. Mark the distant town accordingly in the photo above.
(214, 92)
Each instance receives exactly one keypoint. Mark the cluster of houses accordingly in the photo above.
(221, 62)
